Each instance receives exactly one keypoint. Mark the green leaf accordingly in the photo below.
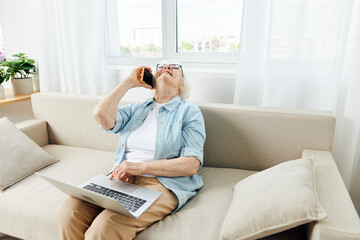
(28, 65)
(31, 61)
(20, 67)
(5, 63)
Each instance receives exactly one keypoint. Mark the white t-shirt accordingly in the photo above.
(140, 145)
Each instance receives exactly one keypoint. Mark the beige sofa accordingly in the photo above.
(240, 141)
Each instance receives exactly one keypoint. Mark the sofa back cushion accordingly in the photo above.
(251, 138)
(71, 122)
(256, 138)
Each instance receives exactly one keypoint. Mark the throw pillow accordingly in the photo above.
(273, 200)
(19, 155)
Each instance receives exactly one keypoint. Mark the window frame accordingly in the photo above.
(169, 41)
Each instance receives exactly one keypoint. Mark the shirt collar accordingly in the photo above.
(170, 106)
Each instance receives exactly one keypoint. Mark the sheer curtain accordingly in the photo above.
(306, 54)
(73, 47)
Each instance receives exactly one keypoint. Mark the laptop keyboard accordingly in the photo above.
(131, 203)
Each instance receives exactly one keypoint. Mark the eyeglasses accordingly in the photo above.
(173, 66)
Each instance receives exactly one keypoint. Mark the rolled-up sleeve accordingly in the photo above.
(193, 134)
(122, 117)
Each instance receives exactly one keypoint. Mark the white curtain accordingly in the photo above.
(306, 54)
(73, 47)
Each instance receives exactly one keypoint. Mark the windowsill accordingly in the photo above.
(11, 98)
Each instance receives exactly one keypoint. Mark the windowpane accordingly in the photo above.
(200, 29)
(140, 31)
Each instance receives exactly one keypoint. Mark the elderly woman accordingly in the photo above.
(160, 148)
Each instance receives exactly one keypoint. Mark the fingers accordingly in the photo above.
(139, 70)
(139, 73)
(127, 169)
(124, 177)
(119, 174)
(149, 69)
(136, 76)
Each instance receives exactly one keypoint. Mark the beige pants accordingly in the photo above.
(80, 220)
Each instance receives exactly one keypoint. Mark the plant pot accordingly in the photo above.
(36, 82)
(22, 85)
(2, 92)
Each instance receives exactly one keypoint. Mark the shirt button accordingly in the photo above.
(122, 145)
(130, 130)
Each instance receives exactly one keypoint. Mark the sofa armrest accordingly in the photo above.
(343, 221)
(36, 130)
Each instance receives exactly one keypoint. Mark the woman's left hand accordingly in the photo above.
(127, 169)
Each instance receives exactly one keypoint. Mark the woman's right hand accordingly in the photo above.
(134, 78)
(105, 112)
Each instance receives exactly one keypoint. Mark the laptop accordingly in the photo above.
(121, 197)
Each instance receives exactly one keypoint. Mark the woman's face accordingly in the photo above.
(172, 77)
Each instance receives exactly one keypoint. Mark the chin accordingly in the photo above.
(165, 78)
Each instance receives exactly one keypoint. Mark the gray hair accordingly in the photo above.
(186, 90)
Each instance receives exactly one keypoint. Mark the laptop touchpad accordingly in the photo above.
(124, 187)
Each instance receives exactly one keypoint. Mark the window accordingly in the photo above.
(189, 31)
(198, 21)
(139, 28)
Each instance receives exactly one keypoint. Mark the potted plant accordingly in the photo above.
(19, 70)
(3, 78)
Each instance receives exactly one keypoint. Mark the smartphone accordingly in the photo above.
(147, 77)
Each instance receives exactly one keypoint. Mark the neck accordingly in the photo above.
(164, 95)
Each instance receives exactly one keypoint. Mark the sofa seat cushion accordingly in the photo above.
(28, 208)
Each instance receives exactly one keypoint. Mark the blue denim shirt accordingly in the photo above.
(180, 132)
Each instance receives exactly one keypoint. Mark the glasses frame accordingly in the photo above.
(182, 73)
